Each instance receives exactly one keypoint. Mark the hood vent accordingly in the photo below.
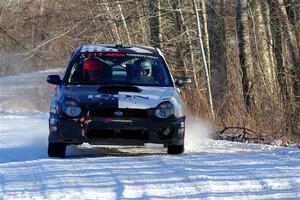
(118, 88)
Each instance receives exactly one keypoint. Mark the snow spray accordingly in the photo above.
(197, 133)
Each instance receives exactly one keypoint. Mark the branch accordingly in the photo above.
(12, 38)
(34, 50)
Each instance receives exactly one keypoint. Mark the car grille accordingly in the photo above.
(122, 134)
(127, 113)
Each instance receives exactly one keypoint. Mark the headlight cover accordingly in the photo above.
(164, 110)
(71, 108)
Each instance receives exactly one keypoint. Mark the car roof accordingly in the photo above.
(129, 49)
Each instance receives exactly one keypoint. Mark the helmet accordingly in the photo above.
(92, 69)
(143, 67)
(146, 68)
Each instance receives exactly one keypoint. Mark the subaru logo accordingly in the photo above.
(118, 113)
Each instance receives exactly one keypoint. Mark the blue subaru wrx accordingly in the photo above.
(116, 95)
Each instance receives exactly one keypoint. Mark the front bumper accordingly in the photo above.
(116, 131)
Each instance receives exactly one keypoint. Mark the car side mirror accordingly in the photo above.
(54, 79)
(182, 81)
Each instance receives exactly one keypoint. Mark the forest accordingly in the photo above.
(242, 55)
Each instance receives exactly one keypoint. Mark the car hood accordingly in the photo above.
(143, 98)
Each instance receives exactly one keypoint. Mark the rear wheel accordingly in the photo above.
(175, 149)
(56, 149)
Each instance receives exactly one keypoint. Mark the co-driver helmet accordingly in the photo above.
(93, 69)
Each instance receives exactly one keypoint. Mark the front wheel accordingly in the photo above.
(175, 149)
(56, 149)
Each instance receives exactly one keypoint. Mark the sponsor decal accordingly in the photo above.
(101, 54)
(142, 56)
(92, 48)
(116, 96)
(115, 54)
(122, 120)
(107, 120)
(118, 113)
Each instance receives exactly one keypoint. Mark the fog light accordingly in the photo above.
(53, 125)
(166, 132)
(53, 128)
(182, 125)
(52, 121)
(181, 132)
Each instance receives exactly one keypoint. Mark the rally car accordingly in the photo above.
(116, 95)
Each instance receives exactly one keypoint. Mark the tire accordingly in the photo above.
(56, 149)
(175, 149)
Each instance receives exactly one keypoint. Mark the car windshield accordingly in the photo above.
(98, 68)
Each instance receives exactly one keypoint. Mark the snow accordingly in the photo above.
(209, 169)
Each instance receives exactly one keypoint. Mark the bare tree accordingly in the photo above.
(189, 47)
(293, 80)
(180, 61)
(249, 87)
(206, 37)
(142, 30)
(265, 60)
(234, 88)
(216, 40)
(155, 23)
(112, 22)
(209, 95)
(124, 22)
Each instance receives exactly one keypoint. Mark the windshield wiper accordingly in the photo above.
(84, 83)
(145, 83)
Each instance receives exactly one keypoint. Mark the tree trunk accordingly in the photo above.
(296, 4)
(141, 14)
(234, 88)
(106, 26)
(277, 40)
(190, 45)
(154, 23)
(270, 41)
(218, 69)
(294, 63)
(292, 49)
(265, 59)
(245, 55)
(204, 60)
(112, 22)
(204, 20)
(124, 22)
(180, 61)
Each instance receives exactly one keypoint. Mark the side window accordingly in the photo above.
(158, 72)
(76, 72)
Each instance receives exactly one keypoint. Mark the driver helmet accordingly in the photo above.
(146, 68)
(93, 69)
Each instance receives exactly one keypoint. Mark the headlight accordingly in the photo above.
(71, 108)
(164, 110)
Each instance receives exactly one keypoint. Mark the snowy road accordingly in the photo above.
(208, 170)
